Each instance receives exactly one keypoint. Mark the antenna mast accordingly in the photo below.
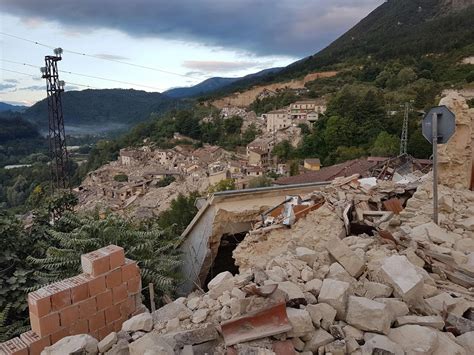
(404, 137)
(57, 137)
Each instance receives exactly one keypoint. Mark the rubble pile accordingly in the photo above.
(402, 286)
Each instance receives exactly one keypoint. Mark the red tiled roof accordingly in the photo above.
(348, 168)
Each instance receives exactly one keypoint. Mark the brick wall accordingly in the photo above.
(95, 302)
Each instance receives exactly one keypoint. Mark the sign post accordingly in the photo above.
(438, 126)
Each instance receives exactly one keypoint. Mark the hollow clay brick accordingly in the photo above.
(113, 278)
(112, 313)
(116, 255)
(60, 295)
(97, 321)
(81, 326)
(39, 302)
(134, 285)
(130, 270)
(57, 336)
(103, 332)
(45, 325)
(35, 343)
(14, 346)
(119, 293)
(96, 284)
(95, 263)
(87, 308)
(79, 288)
(104, 300)
(69, 315)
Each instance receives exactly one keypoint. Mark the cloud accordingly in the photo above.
(13, 81)
(111, 56)
(261, 27)
(33, 88)
(7, 87)
(207, 66)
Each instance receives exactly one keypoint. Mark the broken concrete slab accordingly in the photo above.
(300, 321)
(368, 315)
(429, 321)
(414, 339)
(346, 257)
(335, 294)
(396, 307)
(171, 310)
(404, 277)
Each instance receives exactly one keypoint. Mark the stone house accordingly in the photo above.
(277, 119)
(258, 157)
(300, 109)
(130, 157)
(312, 164)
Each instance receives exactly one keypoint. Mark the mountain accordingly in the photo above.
(13, 108)
(105, 109)
(213, 84)
(395, 29)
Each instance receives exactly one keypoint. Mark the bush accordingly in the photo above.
(121, 178)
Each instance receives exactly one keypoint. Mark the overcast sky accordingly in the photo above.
(194, 38)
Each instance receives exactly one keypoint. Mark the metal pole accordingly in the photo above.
(434, 127)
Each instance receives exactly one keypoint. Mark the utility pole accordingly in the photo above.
(404, 136)
(57, 136)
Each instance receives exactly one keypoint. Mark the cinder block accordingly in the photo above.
(69, 315)
(79, 288)
(104, 300)
(119, 293)
(45, 325)
(14, 346)
(112, 314)
(57, 336)
(130, 270)
(39, 302)
(96, 284)
(97, 321)
(134, 285)
(87, 308)
(116, 255)
(95, 263)
(81, 326)
(60, 295)
(35, 343)
(113, 278)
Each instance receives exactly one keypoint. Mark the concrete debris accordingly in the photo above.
(335, 294)
(106, 343)
(143, 321)
(74, 344)
(368, 315)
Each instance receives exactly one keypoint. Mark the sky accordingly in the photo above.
(180, 42)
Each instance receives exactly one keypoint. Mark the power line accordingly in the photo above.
(35, 76)
(101, 58)
(85, 75)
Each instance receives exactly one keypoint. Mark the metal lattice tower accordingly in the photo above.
(404, 137)
(57, 137)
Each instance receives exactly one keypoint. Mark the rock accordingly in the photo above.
(428, 321)
(120, 348)
(466, 224)
(301, 322)
(193, 303)
(153, 344)
(446, 345)
(446, 203)
(82, 344)
(368, 315)
(170, 311)
(440, 301)
(396, 307)
(307, 255)
(310, 298)
(142, 321)
(187, 350)
(220, 283)
(106, 343)
(337, 272)
(438, 235)
(346, 257)
(375, 290)
(337, 347)
(313, 286)
(404, 277)
(200, 315)
(350, 331)
(465, 245)
(137, 335)
(172, 325)
(351, 345)
(321, 314)
(380, 344)
(318, 338)
(237, 293)
(194, 336)
(298, 344)
(307, 274)
(292, 290)
(414, 339)
(466, 340)
(335, 294)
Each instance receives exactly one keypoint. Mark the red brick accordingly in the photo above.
(80, 327)
(14, 346)
(69, 315)
(112, 313)
(104, 300)
(60, 295)
(79, 288)
(116, 255)
(103, 332)
(62, 333)
(87, 308)
(39, 302)
(113, 278)
(119, 293)
(95, 263)
(134, 285)
(46, 325)
(96, 284)
(97, 321)
(35, 343)
(130, 270)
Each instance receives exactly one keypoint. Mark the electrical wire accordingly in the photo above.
(101, 58)
(35, 76)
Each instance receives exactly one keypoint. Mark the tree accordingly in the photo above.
(385, 145)
(223, 185)
(261, 181)
(233, 124)
(249, 134)
(182, 210)
(339, 131)
(343, 154)
(283, 150)
(406, 76)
